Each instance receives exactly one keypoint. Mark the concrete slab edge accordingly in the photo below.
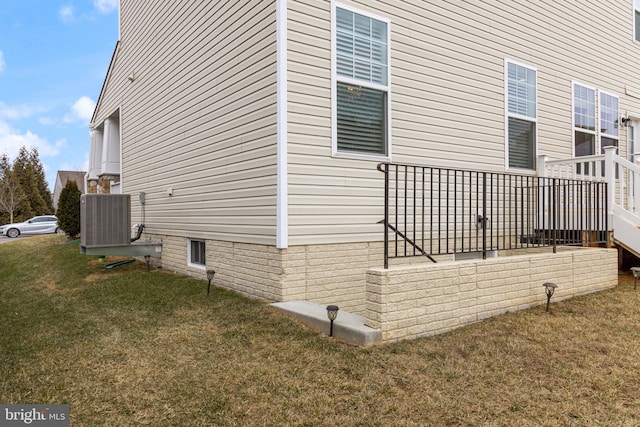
(348, 327)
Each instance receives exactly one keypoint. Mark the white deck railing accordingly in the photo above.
(622, 178)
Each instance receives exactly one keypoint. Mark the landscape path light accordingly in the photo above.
(549, 289)
(147, 258)
(210, 274)
(636, 274)
(332, 313)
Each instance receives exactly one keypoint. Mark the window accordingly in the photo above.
(636, 19)
(593, 132)
(361, 84)
(196, 253)
(521, 116)
(608, 121)
(584, 120)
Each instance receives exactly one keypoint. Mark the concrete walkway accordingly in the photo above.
(4, 239)
(347, 327)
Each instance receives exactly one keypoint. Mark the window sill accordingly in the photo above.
(361, 156)
(520, 171)
(198, 266)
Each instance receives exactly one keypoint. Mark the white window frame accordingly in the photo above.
(190, 261)
(597, 132)
(599, 127)
(573, 118)
(636, 30)
(509, 115)
(334, 84)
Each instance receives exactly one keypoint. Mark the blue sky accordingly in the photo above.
(54, 56)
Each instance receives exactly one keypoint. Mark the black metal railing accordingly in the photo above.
(435, 211)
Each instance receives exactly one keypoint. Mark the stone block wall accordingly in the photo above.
(332, 274)
(413, 301)
(251, 270)
(324, 274)
(404, 301)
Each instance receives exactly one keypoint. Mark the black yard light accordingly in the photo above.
(210, 274)
(549, 289)
(332, 313)
(636, 274)
(147, 258)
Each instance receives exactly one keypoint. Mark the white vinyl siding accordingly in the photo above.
(521, 141)
(448, 108)
(200, 117)
(361, 87)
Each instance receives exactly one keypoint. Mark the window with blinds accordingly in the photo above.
(362, 70)
(521, 116)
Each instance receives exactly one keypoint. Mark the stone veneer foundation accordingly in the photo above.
(324, 274)
(404, 301)
(414, 301)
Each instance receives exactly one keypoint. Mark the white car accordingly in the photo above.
(36, 225)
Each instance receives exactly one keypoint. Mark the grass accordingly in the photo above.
(126, 347)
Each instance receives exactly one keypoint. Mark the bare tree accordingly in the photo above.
(11, 195)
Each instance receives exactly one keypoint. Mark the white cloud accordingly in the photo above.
(66, 13)
(81, 110)
(105, 6)
(46, 121)
(11, 141)
(17, 112)
(2, 63)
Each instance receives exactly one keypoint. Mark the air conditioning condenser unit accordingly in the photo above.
(105, 220)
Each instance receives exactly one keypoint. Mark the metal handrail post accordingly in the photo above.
(484, 215)
(385, 170)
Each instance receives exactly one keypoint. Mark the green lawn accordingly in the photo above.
(125, 347)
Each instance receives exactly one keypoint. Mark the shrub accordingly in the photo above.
(68, 212)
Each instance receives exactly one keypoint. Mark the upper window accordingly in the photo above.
(636, 19)
(521, 116)
(608, 120)
(196, 253)
(361, 47)
(361, 88)
(594, 131)
(584, 120)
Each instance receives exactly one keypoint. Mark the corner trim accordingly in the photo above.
(282, 195)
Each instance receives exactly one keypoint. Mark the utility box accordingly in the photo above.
(105, 220)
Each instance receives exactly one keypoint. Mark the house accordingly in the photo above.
(62, 178)
(255, 130)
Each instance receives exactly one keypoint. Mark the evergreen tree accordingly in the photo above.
(26, 175)
(41, 179)
(24, 191)
(68, 212)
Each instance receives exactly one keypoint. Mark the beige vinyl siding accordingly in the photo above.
(447, 94)
(200, 118)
